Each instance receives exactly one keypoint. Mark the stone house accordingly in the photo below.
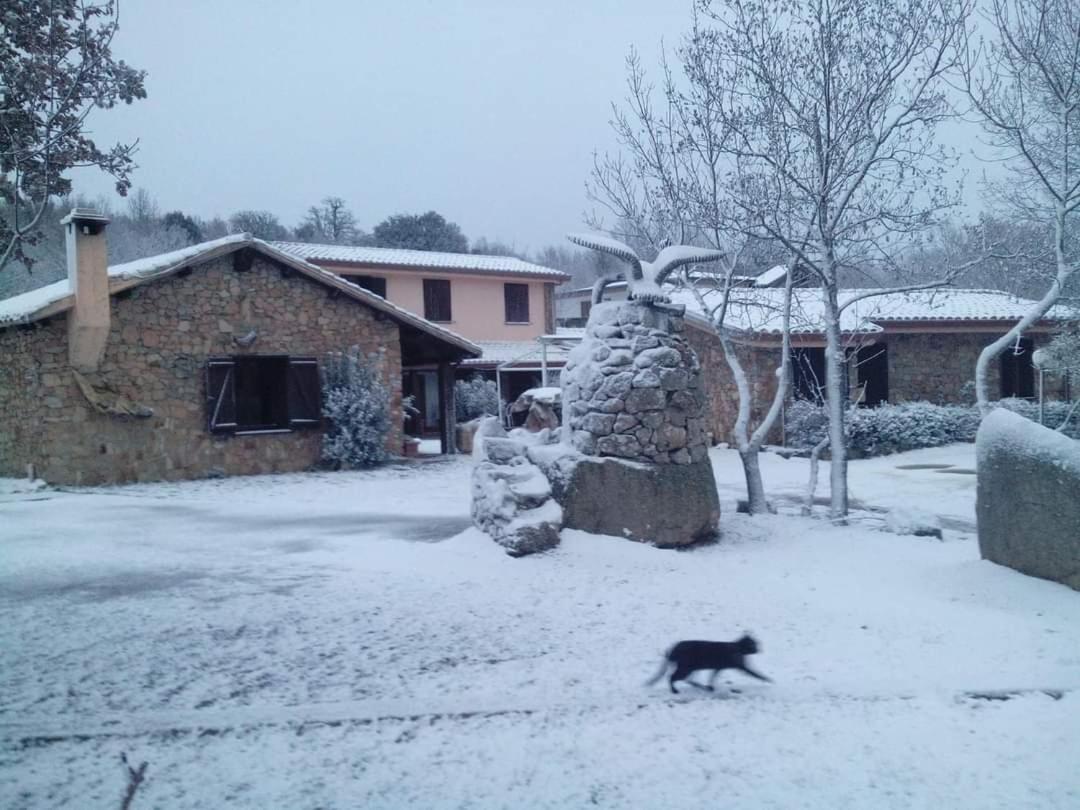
(197, 362)
(502, 303)
(901, 347)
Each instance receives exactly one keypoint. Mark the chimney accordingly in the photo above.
(88, 272)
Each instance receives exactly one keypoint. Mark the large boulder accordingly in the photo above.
(667, 505)
(1028, 497)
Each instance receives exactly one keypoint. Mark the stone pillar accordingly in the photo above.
(635, 407)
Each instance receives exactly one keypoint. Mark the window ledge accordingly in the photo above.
(517, 323)
(260, 431)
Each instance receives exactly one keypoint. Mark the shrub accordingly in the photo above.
(357, 405)
(475, 397)
(908, 426)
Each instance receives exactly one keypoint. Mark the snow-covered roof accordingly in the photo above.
(465, 263)
(770, 276)
(57, 297)
(518, 352)
(759, 309)
(26, 306)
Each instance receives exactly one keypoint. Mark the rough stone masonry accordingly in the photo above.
(631, 458)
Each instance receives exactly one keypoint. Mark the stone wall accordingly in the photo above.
(923, 367)
(940, 367)
(1027, 507)
(760, 365)
(161, 336)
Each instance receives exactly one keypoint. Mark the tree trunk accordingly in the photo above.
(811, 486)
(748, 450)
(756, 502)
(836, 401)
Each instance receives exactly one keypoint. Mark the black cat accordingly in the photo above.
(690, 656)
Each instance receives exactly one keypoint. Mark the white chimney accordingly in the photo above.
(88, 272)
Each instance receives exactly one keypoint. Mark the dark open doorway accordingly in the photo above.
(872, 373)
(1017, 371)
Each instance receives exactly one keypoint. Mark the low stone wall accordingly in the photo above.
(1028, 503)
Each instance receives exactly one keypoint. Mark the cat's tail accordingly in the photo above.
(663, 671)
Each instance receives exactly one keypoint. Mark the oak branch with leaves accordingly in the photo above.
(56, 67)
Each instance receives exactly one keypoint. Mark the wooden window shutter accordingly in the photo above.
(516, 297)
(305, 392)
(221, 395)
(437, 299)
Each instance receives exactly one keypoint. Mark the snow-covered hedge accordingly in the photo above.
(475, 397)
(357, 405)
(911, 425)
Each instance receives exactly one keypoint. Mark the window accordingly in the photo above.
(262, 393)
(586, 308)
(375, 284)
(516, 297)
(1017, 372)
(437, 299)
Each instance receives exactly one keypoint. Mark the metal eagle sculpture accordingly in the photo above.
(645, 280)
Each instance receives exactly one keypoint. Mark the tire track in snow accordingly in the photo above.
(33, 732)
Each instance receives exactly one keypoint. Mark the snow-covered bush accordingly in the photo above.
(909, 425)
(475, 397)
(357, 405)
(805, 423)
(1054, 414)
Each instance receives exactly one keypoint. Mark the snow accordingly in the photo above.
(397, 257)
(348, 640)
(1001, 428)
(22, 306)
(523, 352)
(760, 309)
(549, 395)
(771, 276)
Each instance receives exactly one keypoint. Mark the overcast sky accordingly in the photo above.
(486, 111)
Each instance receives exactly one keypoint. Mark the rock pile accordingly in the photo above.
(511, 495)
(633, 388)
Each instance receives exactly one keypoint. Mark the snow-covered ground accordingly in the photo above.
(345, 640)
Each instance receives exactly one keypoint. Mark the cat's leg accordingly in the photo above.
(751, 672)
(712, 680)
(701, 686)
(680, 674)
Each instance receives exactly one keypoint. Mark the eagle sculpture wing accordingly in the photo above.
(605, 244)
(674, 257)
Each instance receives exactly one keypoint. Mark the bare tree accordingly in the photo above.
(831, 107)
(330, 221)
(671, 183)
(56, 66)
(260, 224)
(1025, 87)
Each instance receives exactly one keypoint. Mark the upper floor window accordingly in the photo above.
(262, 393)
(375, 284)
(437, 299)
(516, 297)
